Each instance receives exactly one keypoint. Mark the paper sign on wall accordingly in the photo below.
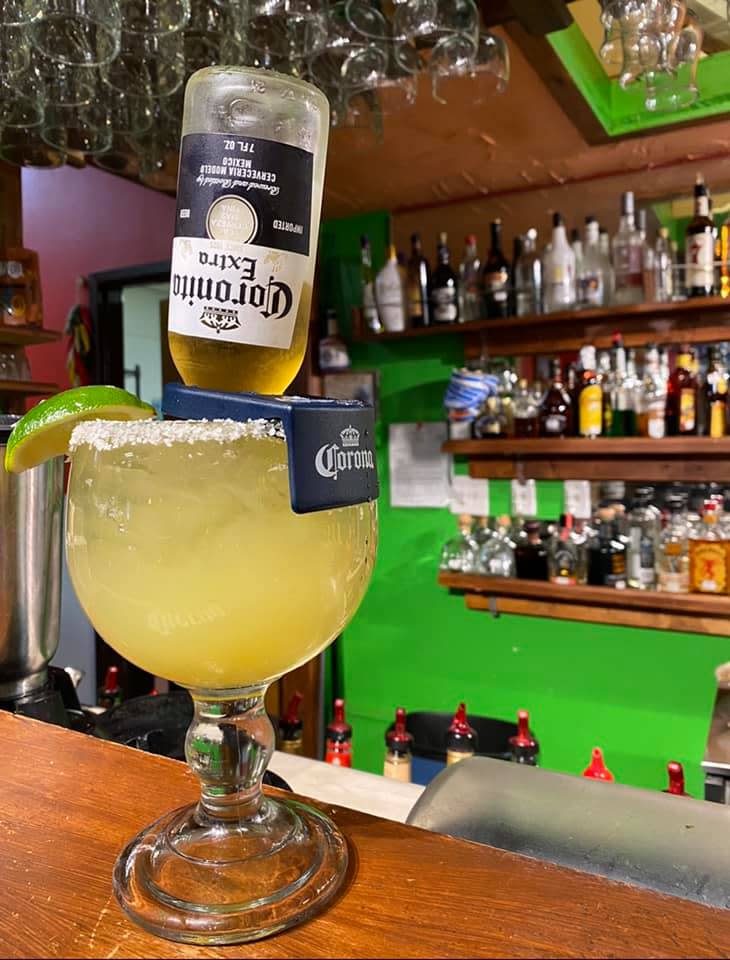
(469, 496)
(524, 498)
(577, 498)
(419, 471)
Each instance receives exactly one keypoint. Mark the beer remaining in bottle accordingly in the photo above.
(236, 323)
(110, 693)
(590, 396)
(524, 748)
(470, 291)
(417, 284)
(290, 726)
(338, 738)
(607, 554)
(496, 275)
(461, 738)
(444, 287)
(531, 557)
(398, 752)
(708, 554)
(675, 775)
(700, 246)
(716, 396)
(556, 407)
(597, 769)
(681, 406)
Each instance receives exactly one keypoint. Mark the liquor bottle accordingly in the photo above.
(633, 394)
(589, 405)
(459, 554)
(556, 406)
(621, 413)
(559, 270)
(627, 256)
(700, 246)
(681, 406)
(528, 277)
(607, 554)
(390, 295)
(333, 354)
(715, 395)
(663, 268)
(20, 287)
(531, 558)
(675, 776)
(367, 288)
(110, 693)
(576, 245)
(235, 321)
(518, 243)
(673, 550)
(290, 726)
(496, 276)
(417, 285)
(481, 533)
(566, 559)
(523, 747)
(444, 287)
(497, 556)
(708, 554)
(470, 293)
(398, 750)
(643, 533)
(651, 415)
(604, 245)
(725, 259)
(492, 424)
(524, 411)
(461, 738)
(591, 274)
(338, 738)
(597, 769)
(648, 260)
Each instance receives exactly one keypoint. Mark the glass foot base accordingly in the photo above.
(210, 881)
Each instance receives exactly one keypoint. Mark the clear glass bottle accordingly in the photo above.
(648, 260)
(525, 411)
(531, 558)
(607, 554)
(528, 277)
(559, 270)
(673, 549)
(591, 275)
(367, 288)
(576, 245)
(663, 268)
(708, 553)
(273, 129)
(497, 556)
(462, 741)
(444, 287)
(496, 276)
(481, 533)
(604, 245)
(566, 555)
(390, 294)
(470, 293)
(417, 283)
(460, 553)
(643, 534)
(627, 256)
(492, 423)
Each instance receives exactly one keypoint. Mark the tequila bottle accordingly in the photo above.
(497, 556)
(459, 554)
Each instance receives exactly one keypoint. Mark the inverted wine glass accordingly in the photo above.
(188, 559)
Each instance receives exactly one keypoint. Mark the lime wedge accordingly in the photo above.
(44, 432)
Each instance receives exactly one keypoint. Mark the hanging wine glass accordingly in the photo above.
(80, 33)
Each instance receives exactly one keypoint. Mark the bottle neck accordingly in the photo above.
(496, 236)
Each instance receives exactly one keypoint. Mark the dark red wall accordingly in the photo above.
(81, 221)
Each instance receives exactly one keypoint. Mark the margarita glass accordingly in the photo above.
(188, 559)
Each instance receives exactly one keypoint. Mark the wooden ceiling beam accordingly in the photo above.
(537, 18)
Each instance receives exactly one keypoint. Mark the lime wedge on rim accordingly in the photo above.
(44, 432)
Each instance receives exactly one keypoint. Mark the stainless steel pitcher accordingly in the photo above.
(31, 507)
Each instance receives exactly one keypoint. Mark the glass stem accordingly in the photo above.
(228, 746)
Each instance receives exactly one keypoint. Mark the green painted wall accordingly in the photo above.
(644, 696)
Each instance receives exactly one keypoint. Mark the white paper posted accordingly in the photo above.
(419, 471)
(524, 498)
(577, 498)
(469, 496)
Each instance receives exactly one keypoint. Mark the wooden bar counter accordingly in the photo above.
(68, 803)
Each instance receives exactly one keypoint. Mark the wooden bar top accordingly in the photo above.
(68, 803)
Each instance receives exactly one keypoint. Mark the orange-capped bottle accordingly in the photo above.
(597, 769)
(338, 746)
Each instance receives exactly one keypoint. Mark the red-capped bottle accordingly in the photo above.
(675, 773)
(110, 694)
(338, 747)
(597, 769)
(461, 738)
(290, 726)
(523, 746)
(398, 753)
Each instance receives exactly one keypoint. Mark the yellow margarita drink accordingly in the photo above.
(188, 559)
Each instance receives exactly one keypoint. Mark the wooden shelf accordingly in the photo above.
(701, 320)
(29, 388)
(649, 609)
(690, 460)
(27, 336)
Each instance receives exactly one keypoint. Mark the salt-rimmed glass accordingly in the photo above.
(188, 559)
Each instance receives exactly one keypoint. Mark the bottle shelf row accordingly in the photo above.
(699, 320)
(648, 609)
(27, 336)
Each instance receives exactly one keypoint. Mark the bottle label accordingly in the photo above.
(686, 410)
(496, 284)
(590, 289)
(708, 567)
(397, 768)
(590, 411)
(567, 581)
(445, 309)
(415, 302)
(369, 310)
(717, 419)
(454, 756)
(671, 582)
(656, 424)
(241, 250)
(701, 260)
(555, 423)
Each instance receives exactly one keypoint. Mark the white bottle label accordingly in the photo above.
(241, 250)
(700, 260)
(444, 305)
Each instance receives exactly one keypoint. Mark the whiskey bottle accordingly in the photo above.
(681, 405)
(607, 554)
(496, 275)
(716, 395)
(566, 561)
(556, 407)
(672, 551)
(590, 396)
(417, 285)
(708, 554)
(700, 246)
(525, 411)
(531, 558)
(444, 287)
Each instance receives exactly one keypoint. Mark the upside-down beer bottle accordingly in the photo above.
(249, 194)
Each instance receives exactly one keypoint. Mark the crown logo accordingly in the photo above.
(350, 437)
